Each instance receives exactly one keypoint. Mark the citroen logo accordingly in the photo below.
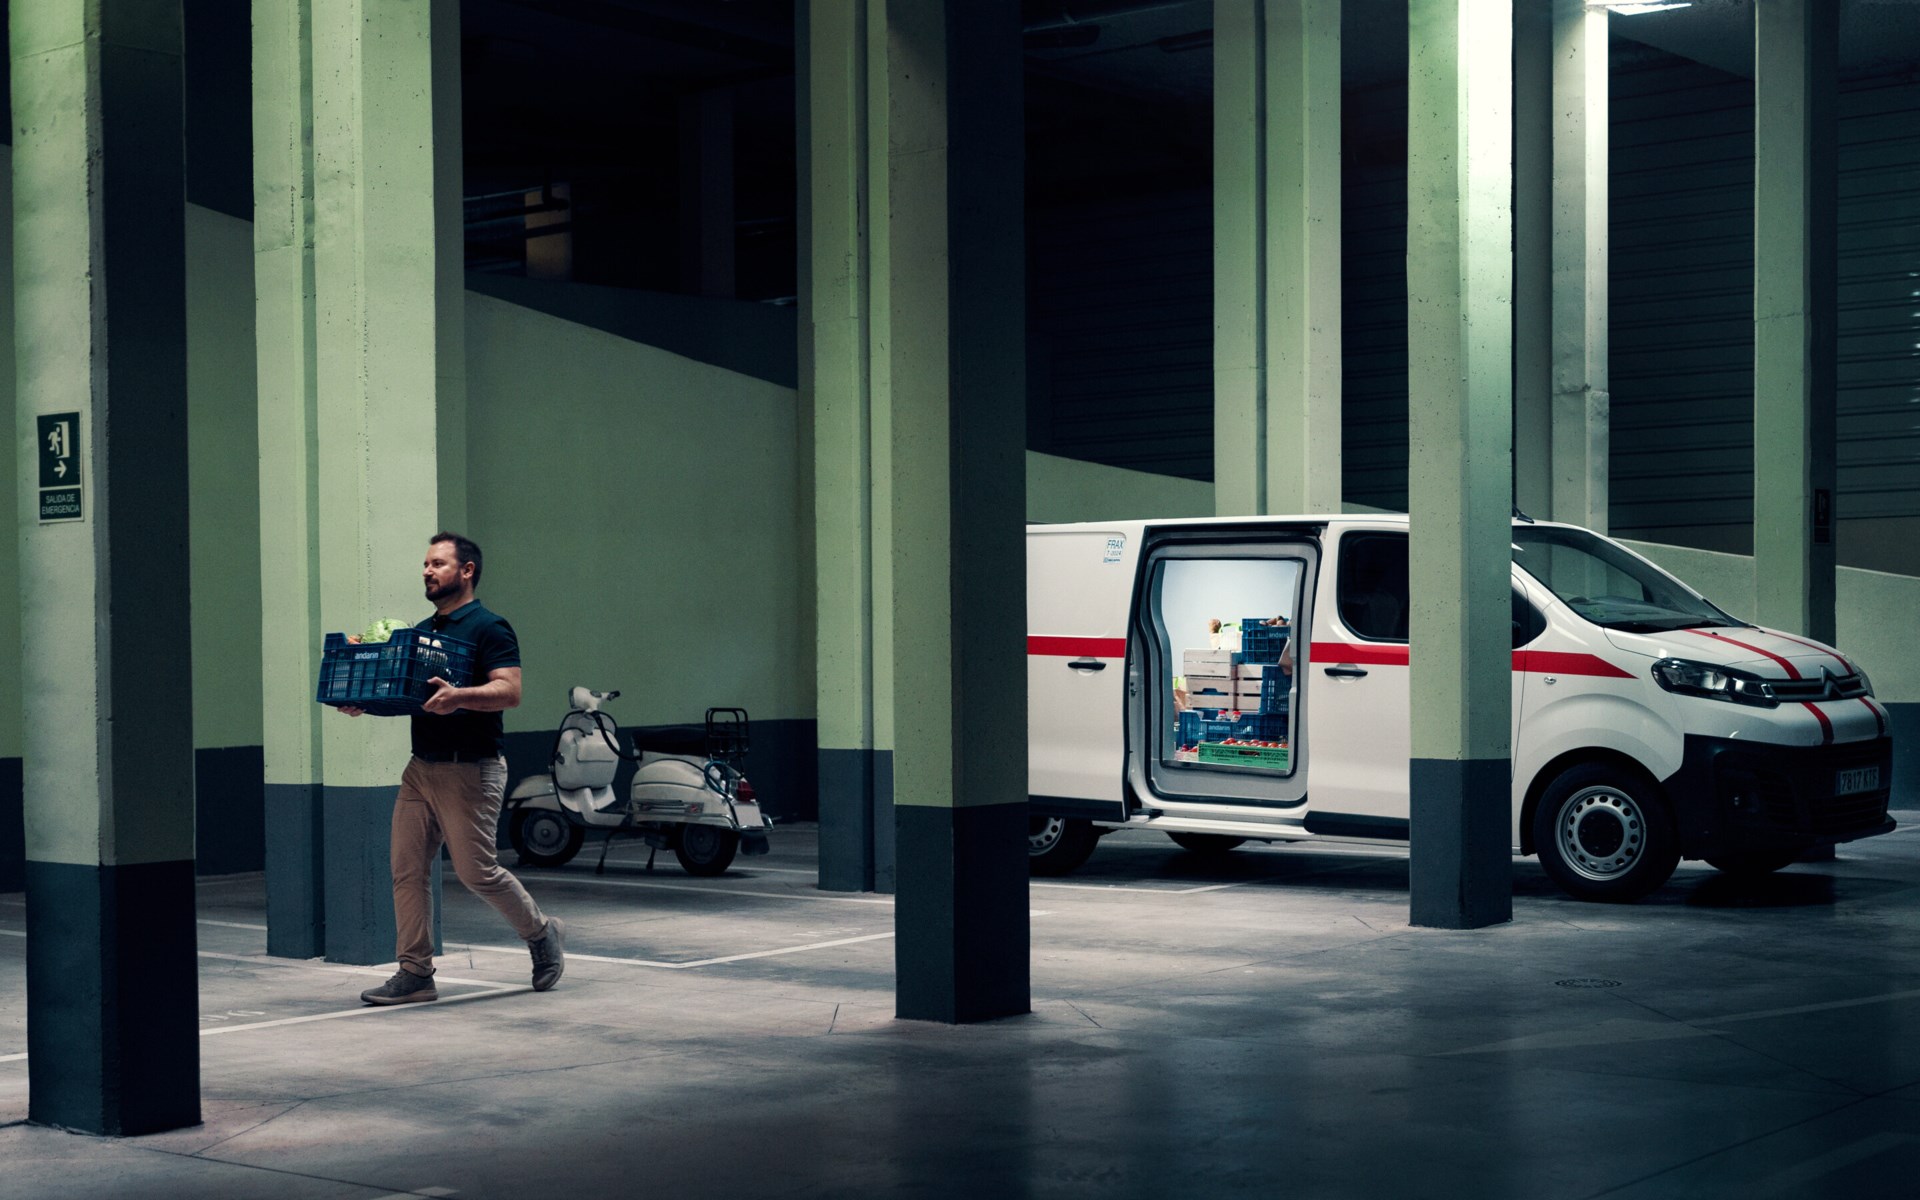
(1832, 688)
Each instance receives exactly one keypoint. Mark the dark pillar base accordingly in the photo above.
(113, 1000)
(360, 928)
(13, 827)
(846, 820)
(886, 875)
(1462, 870)
(962, 949)
(856, 820)
(296, 891)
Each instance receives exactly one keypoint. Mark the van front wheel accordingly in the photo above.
(1058, 845)
(1604, 834)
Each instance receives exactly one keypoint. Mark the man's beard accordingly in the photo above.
(439, 593)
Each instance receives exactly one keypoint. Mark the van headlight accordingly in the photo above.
(1715, 683)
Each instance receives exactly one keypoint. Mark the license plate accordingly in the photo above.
(1856, 780)
(749, 815)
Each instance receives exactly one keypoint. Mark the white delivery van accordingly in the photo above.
(1225, 680)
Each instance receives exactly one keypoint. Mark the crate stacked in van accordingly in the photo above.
(1257, 666)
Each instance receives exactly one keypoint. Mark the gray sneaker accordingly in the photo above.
(549, 954)
(404, 988)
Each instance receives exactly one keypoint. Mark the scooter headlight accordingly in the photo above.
(1714, 683)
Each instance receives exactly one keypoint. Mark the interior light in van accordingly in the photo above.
(1714, 683)
(1633, 8)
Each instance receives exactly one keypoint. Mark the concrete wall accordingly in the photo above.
(641, 518)
(1060, 490)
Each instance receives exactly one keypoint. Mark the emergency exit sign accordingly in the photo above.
(60, 491)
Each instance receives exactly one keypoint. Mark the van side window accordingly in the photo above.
(1528, 621)
(1373, 585)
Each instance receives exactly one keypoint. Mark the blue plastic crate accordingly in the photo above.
(391, 678)
(1197, 727)
(1275, 693)
(1262, 643)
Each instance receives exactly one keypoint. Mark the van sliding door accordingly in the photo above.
(1079, 590)
(1217, 708)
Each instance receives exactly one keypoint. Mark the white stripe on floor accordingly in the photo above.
(700, 962)
(721, 890)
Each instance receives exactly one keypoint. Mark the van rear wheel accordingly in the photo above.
(1206, 843)
(1605, 834)
(1058, 845)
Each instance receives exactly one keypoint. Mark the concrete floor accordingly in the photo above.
(1266, 1024)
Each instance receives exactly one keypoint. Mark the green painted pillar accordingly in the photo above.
(1533, 136)
(376, 404)
(1581, 397)
(13, 849)
(956, 298)
(839, 299)
(100, 335)
(1277, 331)
(1459, 337)
(1561, 401)
(289, 474)
(1795, 313)
(394, 410)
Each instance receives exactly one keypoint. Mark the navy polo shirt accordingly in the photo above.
(469, 734)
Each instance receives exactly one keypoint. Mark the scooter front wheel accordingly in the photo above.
(543, 837)
(705, 849)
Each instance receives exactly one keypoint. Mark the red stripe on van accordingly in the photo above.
(1835, 655)
(1560, 662)
(1826, 726)
(1791, 673)
(1879, 717)
(1077, 647)
(1371, 655)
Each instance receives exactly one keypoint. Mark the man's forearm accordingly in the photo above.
(495, 695)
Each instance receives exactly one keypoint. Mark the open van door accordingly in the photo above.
(1216, 710)
(1079, 591)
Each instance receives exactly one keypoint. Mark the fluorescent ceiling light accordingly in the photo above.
(1633, 8)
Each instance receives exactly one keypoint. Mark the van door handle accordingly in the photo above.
(1087, 664)
(1346, 671)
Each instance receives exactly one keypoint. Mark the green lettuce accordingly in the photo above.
(383, 630)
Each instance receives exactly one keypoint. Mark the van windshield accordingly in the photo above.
(1608, 586)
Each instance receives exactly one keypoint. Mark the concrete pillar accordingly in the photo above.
(13, 849)
(100, 300)
(1561, 404)
(1581, 403)
(1795, 313)
(289, 474)
(956, 298)
(1277, 333)
(706, 193)
(1459, 338)
(450, 268)
(376, 381)
(1533, 139)
(840, 296)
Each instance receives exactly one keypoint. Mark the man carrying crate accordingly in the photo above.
(452, 788)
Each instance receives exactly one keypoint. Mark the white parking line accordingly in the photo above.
(700, 962)
(365, 1010)
(711, 891)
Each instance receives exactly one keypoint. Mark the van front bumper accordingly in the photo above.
(1732, 796)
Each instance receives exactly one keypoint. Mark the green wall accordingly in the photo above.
(641, 519)
(223, 461)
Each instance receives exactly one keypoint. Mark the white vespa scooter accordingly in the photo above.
(704, 809)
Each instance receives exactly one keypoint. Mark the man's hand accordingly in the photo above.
(351, 711)
(445, 698)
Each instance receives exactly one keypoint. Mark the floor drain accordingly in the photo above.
(1586, 983)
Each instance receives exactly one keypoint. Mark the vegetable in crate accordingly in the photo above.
(383, 630)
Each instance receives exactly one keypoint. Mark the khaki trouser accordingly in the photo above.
(459, 804)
